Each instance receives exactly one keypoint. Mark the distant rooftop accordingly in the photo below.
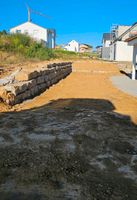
(90, 46)
(98, 46)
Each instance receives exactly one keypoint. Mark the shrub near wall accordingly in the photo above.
(24, 45)
(36, 50)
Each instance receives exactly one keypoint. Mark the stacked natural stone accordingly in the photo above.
(29, 83)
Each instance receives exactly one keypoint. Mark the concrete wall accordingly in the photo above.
(112, 51)
(133, 43)
(120, 51)
(28, 84)
(106, 53)
(135, 56)
(134, 63)
(123, 51)
(135, 60)
(135, 53)
(36, 32)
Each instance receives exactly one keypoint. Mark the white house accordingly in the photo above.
(72, 46)
(119, 48)
(38, 33)
(132, 41)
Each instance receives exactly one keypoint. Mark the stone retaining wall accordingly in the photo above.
(29, 83)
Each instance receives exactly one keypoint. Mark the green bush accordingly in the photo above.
(44, 54)
(36, 50)
(62, 54)
(23, 44)
(14, 42)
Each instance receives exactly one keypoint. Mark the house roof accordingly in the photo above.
(32, 24)
(131, 38)
(87, 45)
(72, 41)
(26, 23)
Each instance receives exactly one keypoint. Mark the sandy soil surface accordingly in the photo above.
(76, 141)
(90, 79)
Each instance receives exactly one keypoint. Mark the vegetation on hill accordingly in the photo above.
(22, 46)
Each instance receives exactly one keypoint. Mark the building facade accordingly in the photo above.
(85, 48)
(38, 33)
(119, 48)
(106, 40)
(120, 51)
(72, 46)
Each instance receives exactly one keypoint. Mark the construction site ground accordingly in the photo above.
(75, 141)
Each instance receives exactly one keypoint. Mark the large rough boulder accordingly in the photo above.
(28, 83)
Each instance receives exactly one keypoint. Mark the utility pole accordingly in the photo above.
(35, 12)
(29, 19)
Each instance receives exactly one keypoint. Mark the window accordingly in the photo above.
(26, 32)
(35, 32)
(18, 31)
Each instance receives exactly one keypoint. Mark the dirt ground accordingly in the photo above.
(76, 141)
(90, 79)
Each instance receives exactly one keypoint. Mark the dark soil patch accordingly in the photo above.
(73, 153)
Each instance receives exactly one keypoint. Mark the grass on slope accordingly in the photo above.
(18, 48)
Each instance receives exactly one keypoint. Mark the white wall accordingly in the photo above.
(36, 32)
(123, 51)
(134, 58)
(120, 51)
(107, 43)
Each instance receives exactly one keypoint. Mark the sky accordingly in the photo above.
(82, 20)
